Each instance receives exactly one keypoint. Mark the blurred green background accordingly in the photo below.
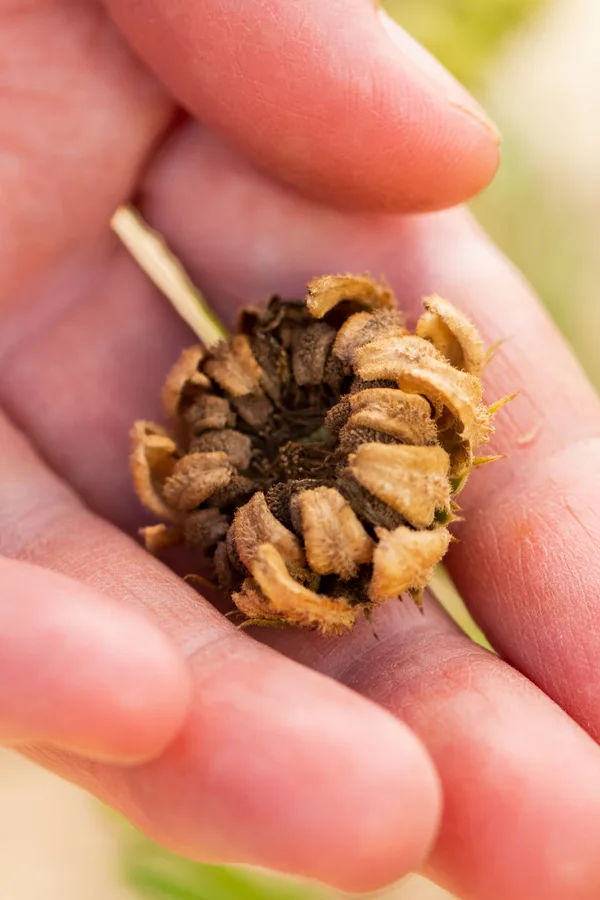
(463, 34)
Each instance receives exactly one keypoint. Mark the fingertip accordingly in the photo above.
(147, 696)
(471, 134)
(332, 98)
(393, 824)
(83, 672)
(280, 767)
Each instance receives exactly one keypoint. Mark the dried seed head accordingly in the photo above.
(316, 462)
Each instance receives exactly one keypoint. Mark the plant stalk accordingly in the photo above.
(150, 251)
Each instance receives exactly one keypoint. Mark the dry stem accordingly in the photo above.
(151, 253)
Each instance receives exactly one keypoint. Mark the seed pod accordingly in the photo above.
(336, 543)
(452, 334)
(184, 381)
(318, 452)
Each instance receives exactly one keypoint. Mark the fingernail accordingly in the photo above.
(434, 73)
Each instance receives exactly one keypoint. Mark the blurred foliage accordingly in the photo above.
(527, 222)
(159, 875)
(462, 34)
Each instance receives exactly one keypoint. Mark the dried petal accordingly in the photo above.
(310, 350)
(352, 436)
(335, 541)
(298, 440)
(295, 603)
(279, 498)
(238, 490)
(453, 334)
(254, 524)
(404, 560)
(327, 291)
(227, 577)
(153, 459)
(233, 366)
(418, 368)
(195, 478)
(184, 378)
(204, 528)
(364, 327)
(160, 537)
(208, 411)
(253, 604)
(406, 417)
(236, 445)
(274, 363)
(254, 409)
(412, 480)
(461, 456)
(366, 505)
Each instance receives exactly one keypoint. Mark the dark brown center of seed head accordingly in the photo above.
(305, 381)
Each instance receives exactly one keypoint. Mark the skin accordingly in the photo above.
(323, 131)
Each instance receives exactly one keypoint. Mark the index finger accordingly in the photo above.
(332, 97)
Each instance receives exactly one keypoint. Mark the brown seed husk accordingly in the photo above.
(335, 541)
(254, 524)
(153, 457)
(452, 334)
(160, 537)
(404, 560)
(412, 480)
(318, 452)
(295, 603)
(325, 292)
(184, 379)
(195, 478)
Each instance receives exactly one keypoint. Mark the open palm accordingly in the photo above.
(216, 744)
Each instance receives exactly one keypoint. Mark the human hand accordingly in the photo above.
(276, 765)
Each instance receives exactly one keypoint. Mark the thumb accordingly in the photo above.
(334, 97)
